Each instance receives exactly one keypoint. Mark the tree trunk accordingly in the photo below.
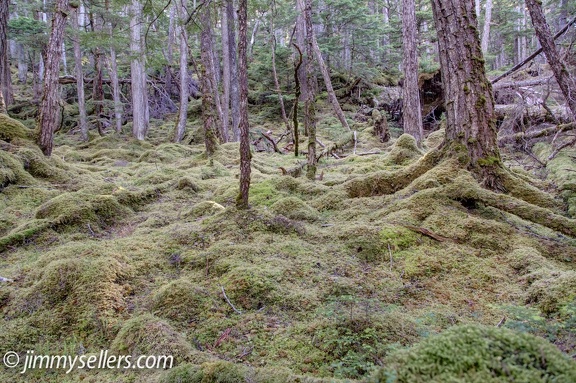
(469, 103)
(234, 81)
(301, 42)
(225, 75)
(214, 69)
(79, 78)
(2, 104)
(208, 102)
(170, 49)
(5, 78)
(183, 114)
(411, 109)
(97, 90)
(310, 106)
(277, 85)
(22, 64)
(245, 154)
(486, 30)
(140, 113)
(565, 81)
(328, 83)
(49, 107)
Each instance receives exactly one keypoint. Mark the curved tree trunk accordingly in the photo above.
(411, 110)
(565, 81)
(234, 84)
(49, 107)
(471, 122)
(245, 154)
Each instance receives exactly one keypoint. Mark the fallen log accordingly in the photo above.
(537, 133)
(520, 84)
(330, 148)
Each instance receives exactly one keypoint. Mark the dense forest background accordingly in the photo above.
(290, 191)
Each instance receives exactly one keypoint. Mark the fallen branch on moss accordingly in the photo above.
(230, 303)
(330, 148)
(428, 233)
(538, 133)
(2, 279)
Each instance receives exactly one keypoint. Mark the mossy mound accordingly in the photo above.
(78, 208)
(551, 290)
(475, 354)
(12, 171)
(148, 335)
(294, 208)
(11, 129)
(179, 301)
(404, 151)
(204, 208)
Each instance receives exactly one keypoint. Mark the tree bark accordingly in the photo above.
(471, 122)
(245, 154)
(49, 107)
(5, 78)
(183, 112)
(565, 81)
(113, 69)
(411, 110)
(277, 85)
(140, 113)
(310, 106)
(301, 42)
(486, 29)
(234, 80)
(208, 102)
(97, 90)
(214, 69)
(225, 75)
(79, 78)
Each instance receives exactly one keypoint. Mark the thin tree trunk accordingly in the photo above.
(310, 114)
(565, 81)
(113, 69)
(79, 78)
(297, 93)
(170, 49)
(140, 114)
(214, 70)
(328, 83)
(234, 80)
(301, 42)
(245, 154)
(5, 77)
(97, 89)
(486, 30)
(253, 37)
(411, 109)
(208, 101)
(469, 103)
(277, 85)
(22, 64)
(182, 115)
(49, 107)
(225, 75)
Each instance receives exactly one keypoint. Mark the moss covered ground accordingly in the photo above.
(379, 271)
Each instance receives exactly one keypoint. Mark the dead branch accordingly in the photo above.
(428, 233)
(520, 84)
(2, 279)
(274, 145)
(228, 301)
(533, 55)
(538, 133)
(330, 148)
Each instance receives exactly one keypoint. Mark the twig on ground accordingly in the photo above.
(228, 301)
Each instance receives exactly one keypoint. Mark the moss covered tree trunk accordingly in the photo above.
(49, 107)
(565, 81)
(245, 155)
(471, 122)
(183, 111)
(208, 99)
(82, 123)
(140, 112)
(310, 114)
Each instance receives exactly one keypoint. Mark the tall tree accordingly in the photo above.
(208, 85)
(5, 78)
(486, 30)
(49, 107)
(234, 80)
(183, 112)
(411, 110)
(225, 75)
(310, 114)
(469, 103)
(245, 154)
(79, 76)
(565, 81)
(140, 113)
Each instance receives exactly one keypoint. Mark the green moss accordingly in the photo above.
(179, 301)
(148, 335)
(399, 238)
(11, 129)
(551, 290)
(474, 353)
(294, 208)
(404, 151)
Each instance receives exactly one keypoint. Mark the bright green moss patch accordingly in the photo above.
(11, 129)
(294, 208)
(480, 354)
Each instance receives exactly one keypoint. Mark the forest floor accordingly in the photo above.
(136, 247)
